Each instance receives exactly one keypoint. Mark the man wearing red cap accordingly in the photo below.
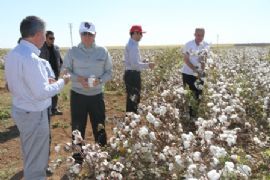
(133, 66)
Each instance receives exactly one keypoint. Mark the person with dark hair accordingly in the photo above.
(133, 67)
(51, 53)
(90, 67)
(194, 53)
(31, 91)
(19, 40)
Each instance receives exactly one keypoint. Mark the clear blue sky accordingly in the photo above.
(166, 21)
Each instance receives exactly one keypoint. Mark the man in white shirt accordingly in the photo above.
(193, 67)
(133, 67)
(31, 90)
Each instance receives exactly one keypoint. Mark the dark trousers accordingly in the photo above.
(54, 103)
(133, 89)
(94, 106)
(189, 80)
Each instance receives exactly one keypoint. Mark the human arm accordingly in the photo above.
(36, 79)
(133, 58)
(107, 75)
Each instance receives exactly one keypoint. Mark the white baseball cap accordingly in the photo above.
(87, 27)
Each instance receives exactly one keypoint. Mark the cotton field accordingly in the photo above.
(229, 138)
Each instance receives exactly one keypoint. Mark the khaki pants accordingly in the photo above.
(34, 135)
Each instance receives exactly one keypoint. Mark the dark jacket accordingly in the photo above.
(55, 62)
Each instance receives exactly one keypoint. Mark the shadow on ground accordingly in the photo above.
(17, 176)
(12, 132)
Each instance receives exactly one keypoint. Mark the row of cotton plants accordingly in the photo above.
(118, 66)
(156, 144)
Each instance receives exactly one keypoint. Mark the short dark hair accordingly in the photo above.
(19, 40)
(30, 25)
(49, 33)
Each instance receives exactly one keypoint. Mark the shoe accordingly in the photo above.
(49, 171)
(102, 139)
(57, 112)
(78, 158)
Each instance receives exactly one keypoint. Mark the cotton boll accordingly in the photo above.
(229, 167)
(249, 157)
(57, 148)
(115, 130)
(191, 168)
(171, 166)
(143, 131)
(186, 144)
(152, 136)
(208, 136)
(163, 110)
(133, 124)
(67, 146)
(127, 129)
(213, 175)
(244, 169)
(214, 162)
(76, 168)
(234, 157)
(162, 157)
(157, 123)
(150, 118)
(196, 156)
(222, 118)
(125, 144)
(218, 151)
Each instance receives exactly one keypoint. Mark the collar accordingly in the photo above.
(31, 46)
(133, 41)
(82, 46)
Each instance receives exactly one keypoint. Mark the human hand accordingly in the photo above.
(66, 77)
(93, 81)
(83, 81)
(96, 82)
(51, 80)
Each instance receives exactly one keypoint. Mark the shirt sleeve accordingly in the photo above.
(185, 49)
(68, 65)
(49, 69)
(134, 58)
(36, 78)
(107, 69)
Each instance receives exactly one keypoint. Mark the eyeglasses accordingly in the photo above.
(51, 38)
(87, 34)
(140, 33)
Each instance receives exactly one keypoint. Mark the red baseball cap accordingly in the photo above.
(136, 28)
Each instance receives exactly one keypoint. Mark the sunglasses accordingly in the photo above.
(87, 34)
(140, 33)
(51, 38)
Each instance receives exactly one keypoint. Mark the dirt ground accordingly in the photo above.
(11, 165)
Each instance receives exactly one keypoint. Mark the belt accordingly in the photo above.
(133, 71)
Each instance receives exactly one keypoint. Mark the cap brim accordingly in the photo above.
(92, 32)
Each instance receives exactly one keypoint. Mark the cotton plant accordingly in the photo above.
(155, 144)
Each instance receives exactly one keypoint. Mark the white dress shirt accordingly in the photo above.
(27, 78)
(133, 58)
